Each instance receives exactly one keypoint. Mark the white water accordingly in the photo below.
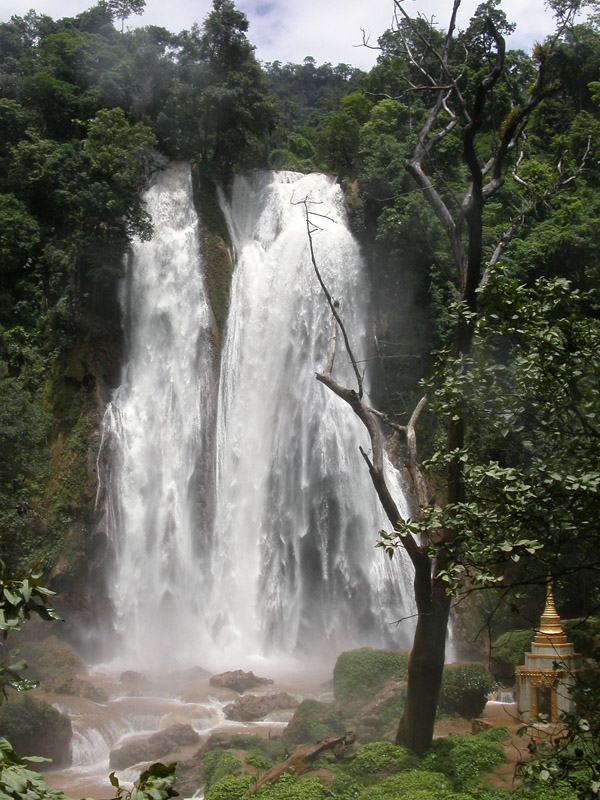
(295, 566)
(287, 566)
(158, 429)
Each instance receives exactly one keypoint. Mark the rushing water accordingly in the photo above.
(158, 430)
(275, 555)
(296, 517)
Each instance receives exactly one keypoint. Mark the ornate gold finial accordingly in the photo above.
(551, 629)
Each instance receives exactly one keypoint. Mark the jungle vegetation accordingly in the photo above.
(510, 438)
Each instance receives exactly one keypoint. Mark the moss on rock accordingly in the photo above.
(36, 728)
(361, 674)
(311, 722)
(216, 248)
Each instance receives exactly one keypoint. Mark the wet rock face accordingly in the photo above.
(251, 707)
(153, 747)
(238, 680)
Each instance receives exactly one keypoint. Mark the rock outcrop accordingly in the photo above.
(251, 706)
(154, 747)
(238, 680)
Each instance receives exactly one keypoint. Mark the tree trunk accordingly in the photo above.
(426, 663)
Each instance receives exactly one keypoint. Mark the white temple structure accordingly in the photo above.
(544, 683)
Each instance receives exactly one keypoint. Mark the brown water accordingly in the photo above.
(139, 708)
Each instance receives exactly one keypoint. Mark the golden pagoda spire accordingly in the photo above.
(551, 630)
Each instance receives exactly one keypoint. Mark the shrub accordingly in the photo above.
(480, 789)
(343, 787)
(362, 673)
(462, 758)
(258, 760)
(544, 790)
(498, 733)
(376, 757)
(508, 652)
(465, 688)
(218, 764)
(415, 785)
(289, 787)
(229, 788)
(272, 749)
(584, 632)
(312, 721)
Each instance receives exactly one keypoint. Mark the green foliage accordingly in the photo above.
(21, 596)
(219, 763)
(20, 234)
(289, 787)
(229, 788)
(259, 761)
(531, 473)
(508, 652)
(462, 758)
(497, 733)
(416, 785)
(311, 722)
(155, 783)
(584, 633)
(17, 782)
(377, 758)
(362, 673)
(465, 689)
(272, 749)
(544, 790)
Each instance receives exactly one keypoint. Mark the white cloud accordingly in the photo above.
(289, 30)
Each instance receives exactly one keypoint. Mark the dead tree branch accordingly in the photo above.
(333, 305)
(302, 758)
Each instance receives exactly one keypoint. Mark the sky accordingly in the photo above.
(327, 30)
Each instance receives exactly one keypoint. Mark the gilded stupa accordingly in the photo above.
(545, 682)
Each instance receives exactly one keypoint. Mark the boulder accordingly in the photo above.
(131, 676)
(238, 680)
(192, 674)
(252, 706)
(35, 728)
(313, 721)
(377, 718)
(156, 746)
(359, 675)
(76, 687)
(50, 659)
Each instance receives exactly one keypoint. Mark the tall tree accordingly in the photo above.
(458, 78)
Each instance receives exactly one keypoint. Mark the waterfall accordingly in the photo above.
(158, 431)
(278, 557)
(297, 518)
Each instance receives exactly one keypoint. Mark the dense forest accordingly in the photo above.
(509, 441)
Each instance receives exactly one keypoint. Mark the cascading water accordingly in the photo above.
(264, 544)
(295, 568)
(158, 431)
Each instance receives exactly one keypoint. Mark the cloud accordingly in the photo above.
(328, 30)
